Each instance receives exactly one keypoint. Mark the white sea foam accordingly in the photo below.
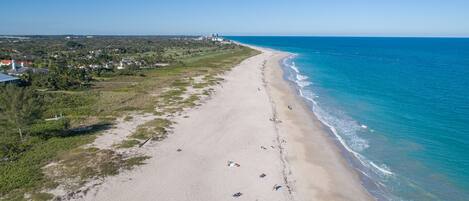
(357, 144)
(293, 66)
(302, 84)
(383, 168)
(301, 77)
(301, 80)
(344, 129)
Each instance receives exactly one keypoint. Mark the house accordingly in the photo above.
(124, 63)
(10, 62)
(214, 38)
(161, 64)
(94, 66)
(22, 69)
(5, 79)
(226, 42)
(217, 39)
(121, 66)
(5, 62)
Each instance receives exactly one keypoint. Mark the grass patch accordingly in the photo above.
(156, 129)
(135, 161)
(81, 165)
(128, 118)
(181, 83)
(172, 96)
(41, 196)
(128, 144)
(84, 164)
(190, 101)
(200, 85)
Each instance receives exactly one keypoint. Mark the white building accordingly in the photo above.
(217, 39)
(121, 66)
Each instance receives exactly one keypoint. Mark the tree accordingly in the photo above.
(62, 77)
(74, 45)
(19, 108)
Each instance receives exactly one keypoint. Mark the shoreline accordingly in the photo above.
(312, 129)
(351, 160)
(283, 153)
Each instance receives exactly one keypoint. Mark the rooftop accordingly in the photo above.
(7, 78)
(23, 70)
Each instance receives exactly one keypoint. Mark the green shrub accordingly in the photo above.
(25, 173)
(48, 129)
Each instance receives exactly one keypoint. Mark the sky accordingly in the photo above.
(236, 17)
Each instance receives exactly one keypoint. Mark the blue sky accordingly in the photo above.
(237, 17)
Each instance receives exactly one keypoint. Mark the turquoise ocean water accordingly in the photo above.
(398, 107)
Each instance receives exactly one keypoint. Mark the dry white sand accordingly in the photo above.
(239, 123)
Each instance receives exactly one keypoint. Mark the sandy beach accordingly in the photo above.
(253, 138)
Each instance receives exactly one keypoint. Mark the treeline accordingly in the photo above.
(64, 78)
(61, 77)
(58, 78)
(73, 61)
(83, 51)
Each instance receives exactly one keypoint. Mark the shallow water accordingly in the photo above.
(400, 106)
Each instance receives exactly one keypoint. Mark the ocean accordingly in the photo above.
(399, 107)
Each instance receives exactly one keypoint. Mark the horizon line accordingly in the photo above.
(243, 35)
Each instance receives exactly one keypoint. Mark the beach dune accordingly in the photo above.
(252, 140)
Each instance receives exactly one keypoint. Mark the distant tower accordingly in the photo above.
(13, 67)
